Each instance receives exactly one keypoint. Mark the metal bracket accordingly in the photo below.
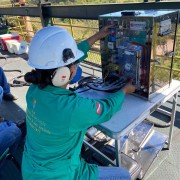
(44, 2)
(45, 19)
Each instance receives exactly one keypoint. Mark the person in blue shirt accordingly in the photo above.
(10, 135)
(7, 95)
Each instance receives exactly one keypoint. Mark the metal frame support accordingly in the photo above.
(99, 152)
(173, 113)
(45, 19)
(82, 11)
(118, 152)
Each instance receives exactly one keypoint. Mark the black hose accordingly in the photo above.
(159, 125)
(95, 83)
(95, 138)
(15, 82)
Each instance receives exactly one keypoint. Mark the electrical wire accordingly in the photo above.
(97, 84)
(159, 125)
(15, 82)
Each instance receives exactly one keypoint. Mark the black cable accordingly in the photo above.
(15, 82)
(13, 70)
(97, 84)
(83, 82)
(159, 125)
(94, 138)
(109, 88)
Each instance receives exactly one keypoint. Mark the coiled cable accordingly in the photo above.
(97, 84)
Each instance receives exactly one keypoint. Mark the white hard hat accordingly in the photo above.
(47, 48)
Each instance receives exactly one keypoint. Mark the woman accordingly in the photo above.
(57, 118)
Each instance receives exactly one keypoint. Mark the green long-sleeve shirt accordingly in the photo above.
(57, 120)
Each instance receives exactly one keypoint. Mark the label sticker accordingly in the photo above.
(165, 26)
(110, 45)
(137, 25)
(98, 108)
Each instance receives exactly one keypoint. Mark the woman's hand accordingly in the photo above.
(128, 88)
(104, 31)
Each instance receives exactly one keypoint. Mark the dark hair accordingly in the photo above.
(40, 77)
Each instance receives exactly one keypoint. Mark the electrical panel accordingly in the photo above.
(140, 47)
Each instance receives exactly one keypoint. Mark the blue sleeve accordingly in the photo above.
(1, 94)
(84, 47)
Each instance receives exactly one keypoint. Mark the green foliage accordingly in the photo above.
(176, 64)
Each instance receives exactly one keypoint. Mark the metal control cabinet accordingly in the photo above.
(140, 47)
